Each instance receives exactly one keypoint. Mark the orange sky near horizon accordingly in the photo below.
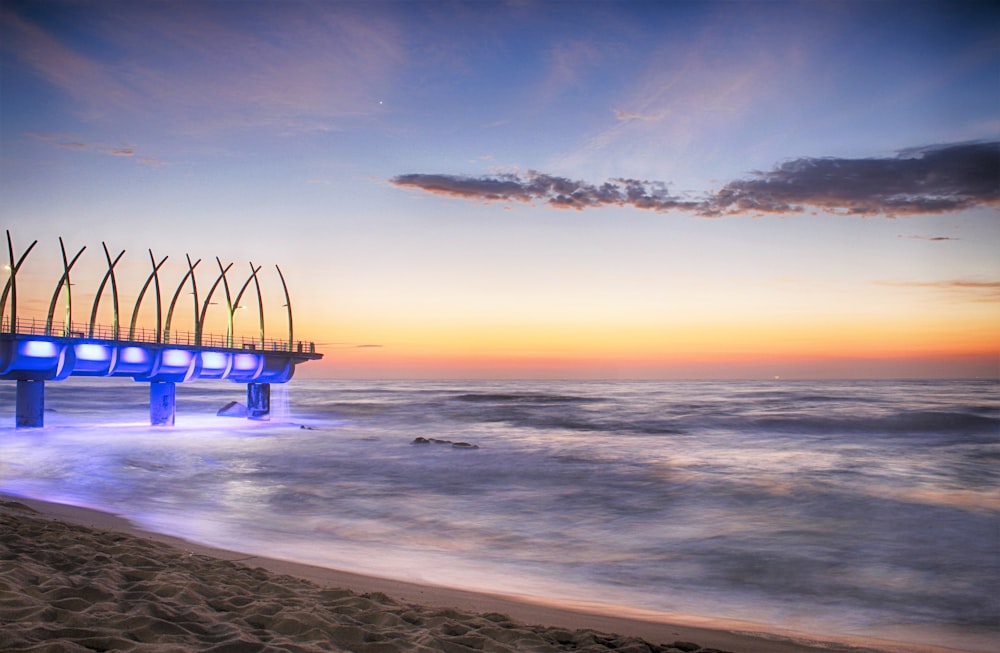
(885, 330)
(889, 331)
(961, 342)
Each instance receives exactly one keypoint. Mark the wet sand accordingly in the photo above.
(73, 579)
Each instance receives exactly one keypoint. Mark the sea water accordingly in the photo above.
(861, 508)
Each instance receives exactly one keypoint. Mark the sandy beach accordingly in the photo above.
(73, 579)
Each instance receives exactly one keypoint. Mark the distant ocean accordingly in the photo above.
(865, 508)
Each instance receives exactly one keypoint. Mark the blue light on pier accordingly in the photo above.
(92, 352)
(134, 355)
(214, 361)
(39, 349)
(34, 351)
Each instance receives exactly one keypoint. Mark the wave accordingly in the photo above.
(599, 426)
(520, 397)
(581, 413)
(900, 423)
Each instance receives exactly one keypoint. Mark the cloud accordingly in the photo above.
(556, 191)
(939, 179)
(928, 180)
(72, 145)
(72, 142)
(568, 64)
(985, 290)
(85, 80)
(963, 284)
(625, 116)
(301, 68)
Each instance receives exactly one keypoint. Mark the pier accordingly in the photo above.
(36, 350)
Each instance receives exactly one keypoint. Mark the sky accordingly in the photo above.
(526, 189)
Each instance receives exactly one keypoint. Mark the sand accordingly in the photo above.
(73, 579)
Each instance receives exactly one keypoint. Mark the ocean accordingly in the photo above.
(839, 508)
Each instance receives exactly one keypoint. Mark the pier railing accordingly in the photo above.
(32, 326)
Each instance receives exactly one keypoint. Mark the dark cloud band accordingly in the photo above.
(557, 191)
(929, 180)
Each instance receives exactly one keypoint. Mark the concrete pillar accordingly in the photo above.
(30, 411)
(162, 403)
(259, 401)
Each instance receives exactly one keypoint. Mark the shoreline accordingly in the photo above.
(736, 637)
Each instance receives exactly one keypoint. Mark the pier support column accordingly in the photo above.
(162, 403)
(259, 401)
(30, 410)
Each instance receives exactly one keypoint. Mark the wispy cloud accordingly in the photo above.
(626, 116)
(988, 291)
(927, 180)
(74, 143)
(313, 67)
(86, 80)
(568, 63)
(931, 238)
(951, 283)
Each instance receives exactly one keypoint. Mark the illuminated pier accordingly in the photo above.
(33, 351)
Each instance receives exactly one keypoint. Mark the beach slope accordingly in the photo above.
(78, 580)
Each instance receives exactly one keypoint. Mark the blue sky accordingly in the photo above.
(351, 143)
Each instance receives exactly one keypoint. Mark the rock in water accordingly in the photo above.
(233, 409)
(458, 445)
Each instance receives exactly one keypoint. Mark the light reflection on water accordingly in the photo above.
(832, 507)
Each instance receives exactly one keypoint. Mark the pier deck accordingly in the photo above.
(31, 358)
(33, 351)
